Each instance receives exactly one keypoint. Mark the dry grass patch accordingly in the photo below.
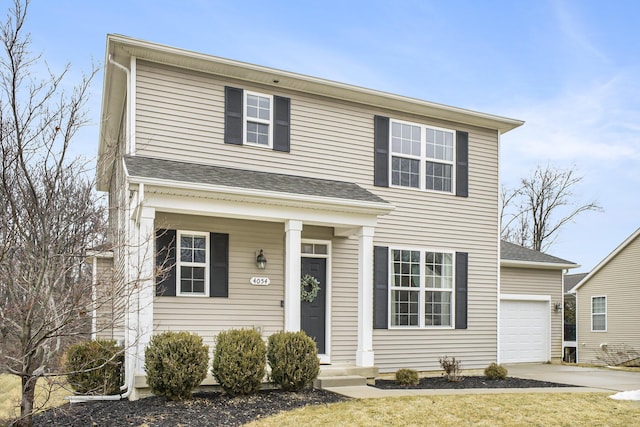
(47, 396)
(527, 409)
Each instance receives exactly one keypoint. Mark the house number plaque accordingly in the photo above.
(260, 281)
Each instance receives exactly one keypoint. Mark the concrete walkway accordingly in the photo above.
(588, 380)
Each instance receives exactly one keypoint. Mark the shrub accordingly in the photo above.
(293, 357)
(176, 363)
(495, 372)
(407, 377)
(239, 361)
(95, 366)
(451, 368)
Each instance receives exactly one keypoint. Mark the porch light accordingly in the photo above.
(261, 261)
(557, 307)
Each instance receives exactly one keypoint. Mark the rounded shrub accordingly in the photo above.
(176, 363)
(95, 367)
(293, 357)
(407, 377)
(495, 372)
(239, 361)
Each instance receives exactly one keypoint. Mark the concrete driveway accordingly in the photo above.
(600, 378)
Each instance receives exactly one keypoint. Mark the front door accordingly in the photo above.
(313, 314)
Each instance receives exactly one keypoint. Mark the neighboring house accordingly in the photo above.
(390, 202)
(608, 307)
(531, 288)
(569, 338)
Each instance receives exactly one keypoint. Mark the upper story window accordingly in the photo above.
(258, 119)
(599, 314)
(193, 263)
(422, 157)
(421, 291)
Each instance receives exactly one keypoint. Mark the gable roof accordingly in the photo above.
(120, 49)
(570, 280)
(169, 172)
(609, 257)
(512, 255)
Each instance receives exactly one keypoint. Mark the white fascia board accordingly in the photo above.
(269, 197)
(534, 264)
(616, 251)
(256, 210)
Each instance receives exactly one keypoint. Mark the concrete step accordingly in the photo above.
(340, 381)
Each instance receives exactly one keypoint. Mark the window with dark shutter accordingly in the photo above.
(381, 151)
(166, 262)
(380, 287)
(462, 164)
(219, 265)
(281, 125)
(462, 261)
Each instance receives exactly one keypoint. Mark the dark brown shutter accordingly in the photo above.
(462, 164)
(219, 265)
(281, 123)
(380, 287)
(233, 122)
(462, 260)
(381, 151)
(166, 263)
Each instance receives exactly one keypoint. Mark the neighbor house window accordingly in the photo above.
(421, 288)
(422, 156)
(599, 313)
(258, 119)
(193, 263)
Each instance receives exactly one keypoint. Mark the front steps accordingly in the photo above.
(344, 376)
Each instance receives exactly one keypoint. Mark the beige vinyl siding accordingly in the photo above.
(534, 281)
(180, 116)
(110, 302)
(619, 281)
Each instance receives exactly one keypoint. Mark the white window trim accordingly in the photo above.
(422, 289)
(422, 158)
(180, 263)
(246, 119)
(605, 313)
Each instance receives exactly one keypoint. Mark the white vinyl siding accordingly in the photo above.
(180, 116)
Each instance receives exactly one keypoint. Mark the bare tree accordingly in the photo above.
(49, 214)
(533, 213)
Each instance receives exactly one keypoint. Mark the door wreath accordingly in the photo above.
(309, 287)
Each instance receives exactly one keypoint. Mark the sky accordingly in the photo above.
(569, 69)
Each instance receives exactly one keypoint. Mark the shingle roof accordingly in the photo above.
(570, 280)
(511, 251)
(171, 170)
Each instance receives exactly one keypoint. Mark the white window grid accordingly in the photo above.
(422, 289)
(601, 313)
(180, 263)
(255, 115)
(442, 147)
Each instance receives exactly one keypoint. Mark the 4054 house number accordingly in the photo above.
(260, 281)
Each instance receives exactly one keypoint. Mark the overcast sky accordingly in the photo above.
(569, 69)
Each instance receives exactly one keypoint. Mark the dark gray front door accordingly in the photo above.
(312, 314)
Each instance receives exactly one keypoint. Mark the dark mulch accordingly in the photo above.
(469, 382)
(205, 409)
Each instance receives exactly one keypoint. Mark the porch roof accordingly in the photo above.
(512, 255)
(171, 170)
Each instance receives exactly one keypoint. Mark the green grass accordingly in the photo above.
(526, 409)
(10, 396)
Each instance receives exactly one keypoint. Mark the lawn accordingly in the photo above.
(527, 409)
(10, 396)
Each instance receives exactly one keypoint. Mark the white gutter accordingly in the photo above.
(535, 264)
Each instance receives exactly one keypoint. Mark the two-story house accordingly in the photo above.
(229, 182)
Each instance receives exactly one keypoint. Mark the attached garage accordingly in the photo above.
(524, 331)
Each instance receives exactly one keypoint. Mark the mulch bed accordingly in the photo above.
(205, 409)
(469, 382)
(219, 409)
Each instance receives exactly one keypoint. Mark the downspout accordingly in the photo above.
(94, 297)
(128, 376)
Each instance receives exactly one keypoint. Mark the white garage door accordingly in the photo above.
(524, 331)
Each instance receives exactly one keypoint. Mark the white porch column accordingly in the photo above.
(292, 252)
(145, 280)
(364, 353)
